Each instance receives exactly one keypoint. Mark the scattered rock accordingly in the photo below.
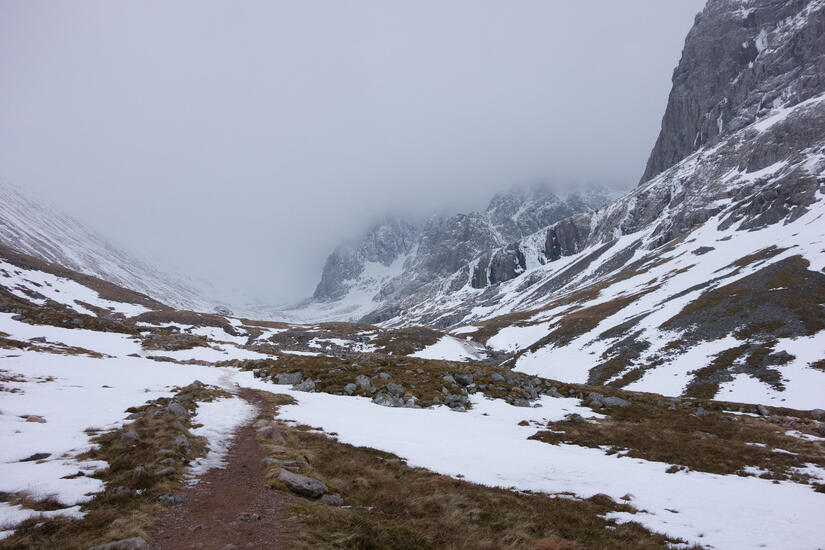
(302, 485)
(456, 402)
(290, 378)
(333, 499)
(175, 409)
(307, 385)
(395, 389)
(387, 400)
(169, 470)
(182, 443)
(38, 340)
(448, 379)
(169, 498)
(574, 418)
(700, 412)
(271, 432)
(363, 381)
(350, 388)
(249, 517)
(762, 410)
(520, 402)
(139, 473)
(35, 418)
(384, 375)
(817, 414)
(284, 463)
(134, 543)
(463, 379)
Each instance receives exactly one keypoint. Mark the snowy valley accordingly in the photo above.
(559, 371)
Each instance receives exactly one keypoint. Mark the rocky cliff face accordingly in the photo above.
(396, 258)
(741, 60)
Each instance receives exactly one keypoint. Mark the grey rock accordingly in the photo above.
(270, 432)
(615, 402)
(448, 379)
(384, 375)
(701, 412)
(181, 443)
(35, 457)
(387, 400)
(456, 402)
(302, 485)
(290, 378)
(463, 379)
(496, 377)
(284, 463)
(169, 498)
(134, 543)
(520, 402)
(350, 389)
(163, 472)
(363, 381)
(333, 499)
(122, 492)
(176, 409)
(762, 410)
(820, 427)
(395, 389)
(307, 385)
(817, 414)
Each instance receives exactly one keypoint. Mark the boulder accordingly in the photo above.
(395, 389)
(290, 378)
(35, 418)
(333, 499)
(448, 379)
(307, 385)
(817, 414)
(350, 389)
(130, 435)
(496, 377)
(615, 402)
(363, 381)
(175, 409)
(387, 400)
(302, 485)
(463, 379)
(762, 410)
(181, 443)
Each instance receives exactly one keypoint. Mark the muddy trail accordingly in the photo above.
(229, 508)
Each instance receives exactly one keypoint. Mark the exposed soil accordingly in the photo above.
(229, 508)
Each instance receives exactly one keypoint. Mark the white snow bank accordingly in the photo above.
(450, 349)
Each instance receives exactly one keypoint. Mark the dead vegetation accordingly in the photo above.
(146, 459)
(698, 435)
(390, 505)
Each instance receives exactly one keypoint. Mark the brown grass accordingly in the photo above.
(394, 506)
(114, 515)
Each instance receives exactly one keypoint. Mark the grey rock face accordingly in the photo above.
(738, 62)
(302, 485)
(441, 246)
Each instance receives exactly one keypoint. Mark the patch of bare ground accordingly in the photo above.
(698, 436)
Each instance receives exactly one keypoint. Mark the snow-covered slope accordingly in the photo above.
(397, 257)
(34, 227)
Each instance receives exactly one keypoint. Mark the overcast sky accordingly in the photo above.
(241, 141)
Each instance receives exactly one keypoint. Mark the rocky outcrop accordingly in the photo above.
(741, 59)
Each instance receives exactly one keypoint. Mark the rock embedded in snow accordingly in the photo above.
(302, 485)
(35, 418)
(307, 385)
(350, 388)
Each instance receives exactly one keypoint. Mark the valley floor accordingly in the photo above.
(73, 397)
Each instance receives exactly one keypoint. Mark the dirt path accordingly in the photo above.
(230, 508)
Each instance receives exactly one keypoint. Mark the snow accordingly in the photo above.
(715, 511)
(449, 348)
(220, 420)
(516, 337)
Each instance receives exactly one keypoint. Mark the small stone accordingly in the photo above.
(35, 418)
(175, 409)
(384, 375)
(302, 485)
(169, 498)
(333, 499)
(762, 410)
(249, 517)
(271, 432)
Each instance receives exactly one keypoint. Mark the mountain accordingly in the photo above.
(396, 257)
(32, 226)
(707, 279)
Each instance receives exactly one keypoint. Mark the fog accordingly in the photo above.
(239, 142)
